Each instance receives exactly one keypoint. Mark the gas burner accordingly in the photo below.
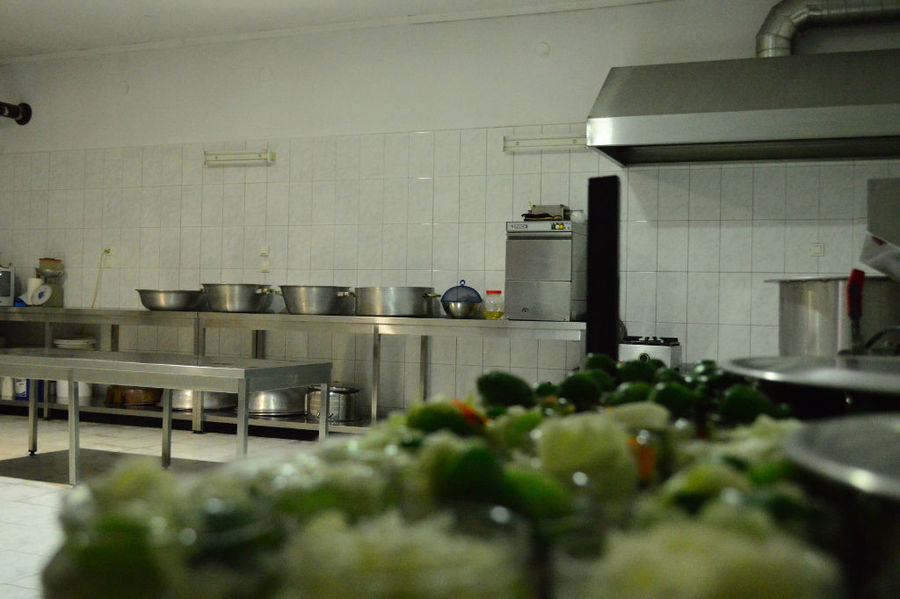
(664, 341)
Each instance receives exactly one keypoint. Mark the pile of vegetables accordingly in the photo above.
(626, 480)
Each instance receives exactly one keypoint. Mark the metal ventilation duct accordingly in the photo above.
(842, 105)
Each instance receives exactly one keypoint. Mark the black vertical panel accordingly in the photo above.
(603, 266)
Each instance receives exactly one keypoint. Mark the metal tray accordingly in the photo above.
(862, 452)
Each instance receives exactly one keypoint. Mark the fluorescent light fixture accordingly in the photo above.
(538, 144)
(238, 158)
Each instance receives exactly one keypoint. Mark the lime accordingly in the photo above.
(502, 388)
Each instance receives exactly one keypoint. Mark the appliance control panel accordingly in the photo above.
(539, 226)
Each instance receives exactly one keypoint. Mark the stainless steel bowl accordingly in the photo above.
(225, 297)
(396, 301)
(172, 299)
(183, 399)
(461, 309)
(319, 299)
(281, 402)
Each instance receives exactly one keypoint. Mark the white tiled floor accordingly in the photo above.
(29, 532)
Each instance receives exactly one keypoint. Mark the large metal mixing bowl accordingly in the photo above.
(226, 297)
(319, 299)
(183, 399)
(172, 299)
(280, 402)
(461, 309)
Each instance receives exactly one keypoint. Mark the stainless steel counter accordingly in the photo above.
(376, 326)
(240, 376)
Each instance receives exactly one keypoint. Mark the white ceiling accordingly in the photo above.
(46, 28)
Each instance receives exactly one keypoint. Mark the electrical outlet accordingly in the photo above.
(263, 250)
(264, 266)
(816, 250)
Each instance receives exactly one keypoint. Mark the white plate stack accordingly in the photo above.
(62, 387)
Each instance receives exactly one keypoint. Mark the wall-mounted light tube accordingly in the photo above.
(238, 158)
(538, 144)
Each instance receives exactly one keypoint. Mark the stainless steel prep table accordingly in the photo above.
(258, 323)
(376, 326)
(240, 376)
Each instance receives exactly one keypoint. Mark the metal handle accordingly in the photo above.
(426, 295)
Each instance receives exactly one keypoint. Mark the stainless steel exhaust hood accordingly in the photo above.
(843, 105)
(811, 106)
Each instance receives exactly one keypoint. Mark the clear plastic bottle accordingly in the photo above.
(492, 308)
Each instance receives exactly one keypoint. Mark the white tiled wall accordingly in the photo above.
(701, 242)
(426, 208)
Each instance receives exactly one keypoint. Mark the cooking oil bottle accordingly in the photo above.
(493, 304)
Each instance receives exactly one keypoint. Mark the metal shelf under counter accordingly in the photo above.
(376, 326)
(258, 323)
(97, 405)
(109, 321)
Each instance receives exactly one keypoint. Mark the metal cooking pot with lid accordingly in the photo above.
(395, 301)
(343, 403)
(225, 297)
(319, 299)
(812, 313)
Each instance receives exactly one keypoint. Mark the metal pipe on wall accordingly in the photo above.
(786, 18)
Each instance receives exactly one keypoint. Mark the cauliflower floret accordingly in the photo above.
(589, 450)
(695, 561)
(641, 414)
(387, 557)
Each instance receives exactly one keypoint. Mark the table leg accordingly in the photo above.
(199, 350)
(376, 372)
(324, 409)
(48, 343)
(32, 417)
(242, 420)
(74, 449)
(423, 368)
(167, 428)
(197, 411)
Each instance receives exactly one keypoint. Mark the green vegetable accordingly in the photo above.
(581, 389)
(636, 370)
(742, 404)
(473, 474)
(601, 362)
(502, 388)
(545, 389)
(629, 393)
(436, 415)
(513, 428)
(676, 398)
(535, 494)
(602, 378)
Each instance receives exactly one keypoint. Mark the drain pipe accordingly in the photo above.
(789, 16)
(21, 113)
